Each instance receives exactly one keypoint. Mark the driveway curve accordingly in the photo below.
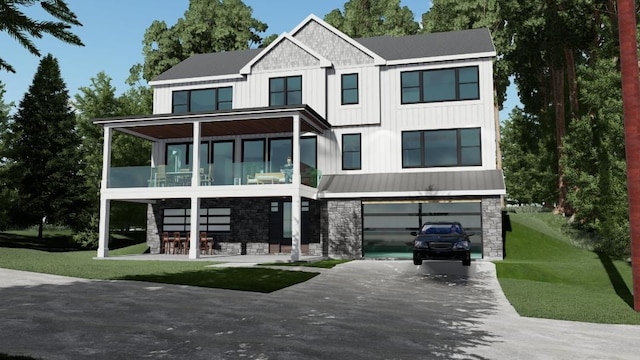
(359, 310)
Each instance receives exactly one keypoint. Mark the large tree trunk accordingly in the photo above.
(557, 78)
(631, 110)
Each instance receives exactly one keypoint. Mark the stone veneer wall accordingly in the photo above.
(249, 223)
(342, 229)
(493, 246)
(153, 234)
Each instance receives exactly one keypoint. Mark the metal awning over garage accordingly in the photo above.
(442, 183)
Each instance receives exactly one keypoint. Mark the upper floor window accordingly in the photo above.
(349, 89)
(432, 148)
(202, 100)
(440, 85)
(351, 152)
(285, 91)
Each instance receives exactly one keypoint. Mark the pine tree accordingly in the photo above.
(44, 153)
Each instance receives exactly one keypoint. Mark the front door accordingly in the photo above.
(280, 227)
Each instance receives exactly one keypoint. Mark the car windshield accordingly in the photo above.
(440, 229)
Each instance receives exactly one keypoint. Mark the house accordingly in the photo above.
(383, 133)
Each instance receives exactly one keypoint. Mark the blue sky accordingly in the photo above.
(113, 30)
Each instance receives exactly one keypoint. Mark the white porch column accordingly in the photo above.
(194, 245)
(296, 209)
(105, 204)
(195, 156)
(103, 232)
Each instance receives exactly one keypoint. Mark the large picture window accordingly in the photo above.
(440, 85)
(349, 89)
(202, 100)
(351, 152)
(285, 91)
(212, 220)
(433, 148)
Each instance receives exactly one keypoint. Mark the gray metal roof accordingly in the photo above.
(212, 64)
(489, 181)
(388, 47)
(430, 45)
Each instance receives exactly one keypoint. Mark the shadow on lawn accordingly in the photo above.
(617, 281)
(243, 279)
(64, 243)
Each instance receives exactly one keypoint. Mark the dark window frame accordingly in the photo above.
(345, 152)
(459, 148)
(458, 84)
(216, 101)
(285, 90)
(343, 89)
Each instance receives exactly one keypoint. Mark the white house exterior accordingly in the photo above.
(385, 133)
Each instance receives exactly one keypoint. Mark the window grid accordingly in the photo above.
(351, 152)
(192, 100)
(432, 153)
(349, 89)
(212, 220)
(415, 89)
(285, 91)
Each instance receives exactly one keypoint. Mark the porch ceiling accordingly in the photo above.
(221, 128)
(227, 123)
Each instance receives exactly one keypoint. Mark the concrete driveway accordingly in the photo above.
(359, 310)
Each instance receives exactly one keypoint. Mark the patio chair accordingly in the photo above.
(204, 244)
(176, 243)
(166, 243)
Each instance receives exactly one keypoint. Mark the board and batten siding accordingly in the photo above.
(255, 92)
(367, 110)
(382, 145)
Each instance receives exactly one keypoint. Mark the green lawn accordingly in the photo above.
(544, 275)
(82, 264)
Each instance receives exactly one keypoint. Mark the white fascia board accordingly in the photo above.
(442, 58)
(196, 79)
(377, 59)
(396, 194)
(246, 70)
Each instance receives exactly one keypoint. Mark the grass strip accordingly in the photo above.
(543, 276)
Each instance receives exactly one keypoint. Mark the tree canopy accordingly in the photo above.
(207, 26)
(366, 18)
(19, 26)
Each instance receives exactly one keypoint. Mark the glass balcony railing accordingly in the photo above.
(229, 173)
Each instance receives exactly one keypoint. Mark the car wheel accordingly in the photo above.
(417, 261)
(466, 262)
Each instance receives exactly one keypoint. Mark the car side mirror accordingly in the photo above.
(414, 233)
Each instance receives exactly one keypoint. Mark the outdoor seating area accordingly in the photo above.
(179, 243)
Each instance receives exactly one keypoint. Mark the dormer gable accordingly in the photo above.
(285, 52)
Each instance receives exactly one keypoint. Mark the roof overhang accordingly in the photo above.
(267, 120)
(413, 184)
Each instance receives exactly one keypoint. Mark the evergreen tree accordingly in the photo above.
(19, 26)
(44, 154)
(7, 194)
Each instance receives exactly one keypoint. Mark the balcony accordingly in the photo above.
(238, 173)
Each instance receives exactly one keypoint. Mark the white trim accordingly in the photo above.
(246, 70)
(433, 59)
(377, 59)
(196, 79)
(389, 194)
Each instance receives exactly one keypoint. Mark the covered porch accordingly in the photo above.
(214, 178)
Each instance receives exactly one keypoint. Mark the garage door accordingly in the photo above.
(387, 226)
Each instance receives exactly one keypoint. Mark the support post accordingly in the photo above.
(105, 204)
(194, 245)
(296, 208)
